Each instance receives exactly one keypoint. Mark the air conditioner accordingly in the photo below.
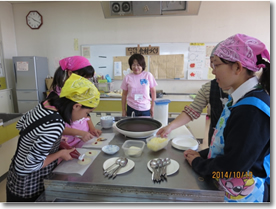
(114, 9)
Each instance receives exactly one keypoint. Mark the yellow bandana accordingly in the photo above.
(81, 90)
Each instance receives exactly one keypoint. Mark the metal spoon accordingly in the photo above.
(167, 161)
(117, 162)
(123, 163)
(160, 165)
(163, 171)
(153, 165)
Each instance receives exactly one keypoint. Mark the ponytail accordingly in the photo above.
(265, 77)
(59, 79)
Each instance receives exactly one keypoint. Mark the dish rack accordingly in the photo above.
(105, 87)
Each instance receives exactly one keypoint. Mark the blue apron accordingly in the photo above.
(243, 188)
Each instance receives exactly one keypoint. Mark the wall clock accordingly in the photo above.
(34, 19)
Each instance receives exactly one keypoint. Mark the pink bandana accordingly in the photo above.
(74, 63)
(244, 49)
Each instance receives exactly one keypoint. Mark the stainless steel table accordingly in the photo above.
(133, 186)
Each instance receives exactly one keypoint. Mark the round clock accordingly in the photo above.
(34, 19)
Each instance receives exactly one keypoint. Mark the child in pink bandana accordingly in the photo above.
(84, 127)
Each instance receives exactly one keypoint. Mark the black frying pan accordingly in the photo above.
(138, 124)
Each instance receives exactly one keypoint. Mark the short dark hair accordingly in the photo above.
(140, 59)
(65, 107)
(61, 76)
(86, 72)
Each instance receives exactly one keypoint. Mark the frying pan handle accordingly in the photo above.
(133, 114)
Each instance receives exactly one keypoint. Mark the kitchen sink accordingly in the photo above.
(8, 118)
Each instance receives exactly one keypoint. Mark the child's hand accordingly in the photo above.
(190, 155)
(64, 138)
(86, 136)
(96, 132)
(65, 154)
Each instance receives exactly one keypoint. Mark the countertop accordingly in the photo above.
(173, 98)
(136, 185)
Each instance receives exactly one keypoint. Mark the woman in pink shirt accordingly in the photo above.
(137, 87)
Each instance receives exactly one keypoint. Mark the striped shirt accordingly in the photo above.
(36, 144)
(200, 102)
(38, 139)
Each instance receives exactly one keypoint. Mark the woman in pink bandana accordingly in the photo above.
(81, 130)
(238, 159)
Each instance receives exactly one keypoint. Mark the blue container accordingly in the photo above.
(161, 111)
(162, 102)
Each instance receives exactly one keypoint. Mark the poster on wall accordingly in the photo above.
(196, 61)
(209, 50)
(86, 52)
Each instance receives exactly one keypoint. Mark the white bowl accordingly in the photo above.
(107, 121)
(154, 145)
(110, 149)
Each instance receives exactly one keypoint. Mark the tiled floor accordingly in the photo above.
(3, 183)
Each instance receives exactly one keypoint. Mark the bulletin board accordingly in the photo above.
(180, 60)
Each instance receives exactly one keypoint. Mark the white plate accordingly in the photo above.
(184, 143)
(125, 169)
(171, 168)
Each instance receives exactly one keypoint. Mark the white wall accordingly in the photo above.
(7, 37)
(65, 21)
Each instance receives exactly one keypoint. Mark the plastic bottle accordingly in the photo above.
(74, 154)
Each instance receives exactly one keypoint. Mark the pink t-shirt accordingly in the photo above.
(82, 125)
(138, 87)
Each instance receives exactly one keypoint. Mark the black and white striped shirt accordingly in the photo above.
(36, 144)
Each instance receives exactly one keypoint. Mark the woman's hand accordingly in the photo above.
(190, 155)
(163, 132)
(124, 113)
(96, 132)
(65, 154)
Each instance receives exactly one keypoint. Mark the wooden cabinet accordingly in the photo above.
(112, 105)
(7, 151)
(6, 103)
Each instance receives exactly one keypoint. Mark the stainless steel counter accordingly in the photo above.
(9, 118)
(133, 186)
(173, 98)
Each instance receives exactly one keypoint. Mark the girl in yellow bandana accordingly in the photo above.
(41, 128)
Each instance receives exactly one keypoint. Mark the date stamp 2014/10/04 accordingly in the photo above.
(230, 174)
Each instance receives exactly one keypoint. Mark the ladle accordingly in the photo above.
(123, 163)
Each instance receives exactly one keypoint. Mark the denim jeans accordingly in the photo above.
(137, 112)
